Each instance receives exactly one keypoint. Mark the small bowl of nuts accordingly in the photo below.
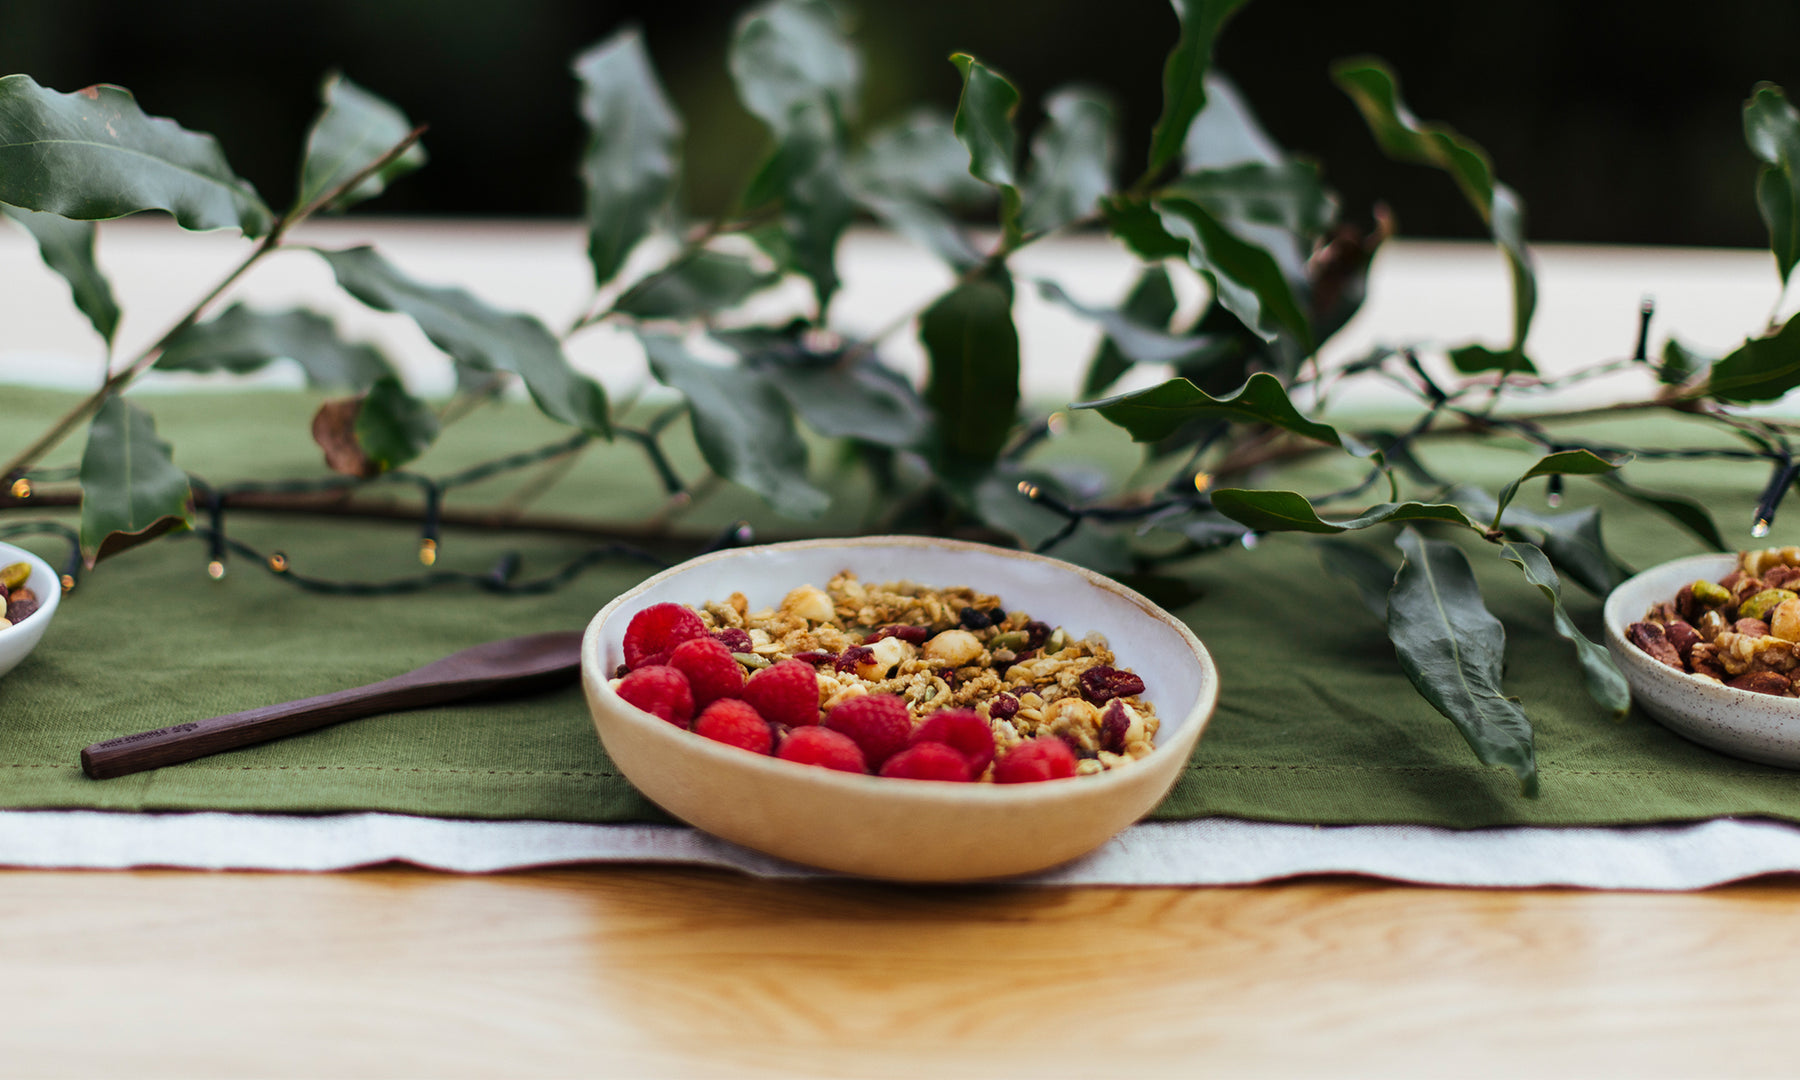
(1711, 647)
(906, 708)
(29, 592)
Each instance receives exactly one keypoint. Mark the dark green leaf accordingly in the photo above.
(853, 400)
(806, 174)
(1139, 343)
(1772, 129)
(1453, 651)
(1288, 511)
(1288, 195)
(67, 247)
(793, 53)
(1156, 412)
(973, 351)
(1688, 514)
(1474, 359)
(1681, 363)
(1150, 304)
(1761, 369)
(1246, 278)
(241, 340)
(1604, 683)
(1368, 572)
(352, 132)
(629, 167)
(1141, 228)
(923, 224)
(1561, 463)
(478, 336)
(1572, 539)
(131, 490)
(94, 154)
(392, 426)
(984, 125)
(1206, 528)
(1072, 160)
(1184, 74)
(743, 427)
(919, 155)
(1226, 132)
(696, 286)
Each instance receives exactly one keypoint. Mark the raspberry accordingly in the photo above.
(1043, 758)
(962, 730)
(661, 690)
(709, 668)
(654, 632)
(733, 639)
(734, 723)
(787, 693)
(878, 723)
(815, 745)
(928, 761)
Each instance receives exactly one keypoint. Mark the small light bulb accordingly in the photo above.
(278, 562)
(215, 569)
(1250, 541)
(1553, 499)
(428, 551)
(21, 488)
(68, 582)
(1760, 529)
(1057, 423)
(1202, 481)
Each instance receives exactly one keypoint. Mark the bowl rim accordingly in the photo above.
(48, 599)
(1187, 733)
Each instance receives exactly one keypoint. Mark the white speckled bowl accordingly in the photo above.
(16, 642)
(905, 830)
(1759, 727)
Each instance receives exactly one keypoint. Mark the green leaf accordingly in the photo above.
(67, 247)
(1157, 412)
(698, 285)
(1561, 463)
(1184, 74)
(131, 491)
(1150, 304)
(352, 132)
(632, 159)
(241, 340)
(919, 156)
(1686, 513)
(973, 350)
(94, 154)
(1140, 227)
(392, 426)
(478, 336)
(1288, 511)
(1681, 363)
(984, 125)
(743, 427)
(1288, 195)
(1137, 342)
(1453, 650)
(1572, 539)
(1208, 529)
(793, 53)
(923, 224)
(1248, 281)
(860, 401)
(1227, 132)
(806, 173)
(1604, 683)
(1772, 129)
(1368, 572)
(1761, 369)
(1072, 160)
(1402, 136)
(1474, 359)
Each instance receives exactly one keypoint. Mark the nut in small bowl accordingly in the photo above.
(904, 829)
(1756, 726)
(17, 640)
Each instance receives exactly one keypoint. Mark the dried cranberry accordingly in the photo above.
(1101, 684)
(1036, 634)
(912, 635)
(816, 657)
(1003, 706)
(734, 639)
(974, 619)
(1020, 658)
(853, 656)
(1113, 725)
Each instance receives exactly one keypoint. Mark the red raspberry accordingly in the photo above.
(709, 668)
(1043, 758)
(928, 761)
(962, 730)
(786, 693)
(654, 632)
(815, 745)
(730, 721)
(878, 723)
(661, 690)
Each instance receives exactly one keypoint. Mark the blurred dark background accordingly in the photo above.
(1614, 122)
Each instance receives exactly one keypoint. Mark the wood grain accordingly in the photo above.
(637, 972)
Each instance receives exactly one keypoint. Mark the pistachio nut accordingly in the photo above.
(1760, 605)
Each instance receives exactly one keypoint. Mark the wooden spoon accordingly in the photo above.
(514, 666)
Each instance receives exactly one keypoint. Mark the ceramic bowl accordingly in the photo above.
(1758, 727)
(16, 642)
(906, 830)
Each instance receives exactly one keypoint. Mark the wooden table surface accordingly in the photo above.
(657, 972)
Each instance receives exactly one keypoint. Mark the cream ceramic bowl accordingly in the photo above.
(16, 642)
(1759, 727)
(905, 830)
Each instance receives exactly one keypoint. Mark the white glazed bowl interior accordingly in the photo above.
(1759, 727)
(16, 642)
(915, 830)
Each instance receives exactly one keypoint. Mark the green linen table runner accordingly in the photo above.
(1316, 723)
